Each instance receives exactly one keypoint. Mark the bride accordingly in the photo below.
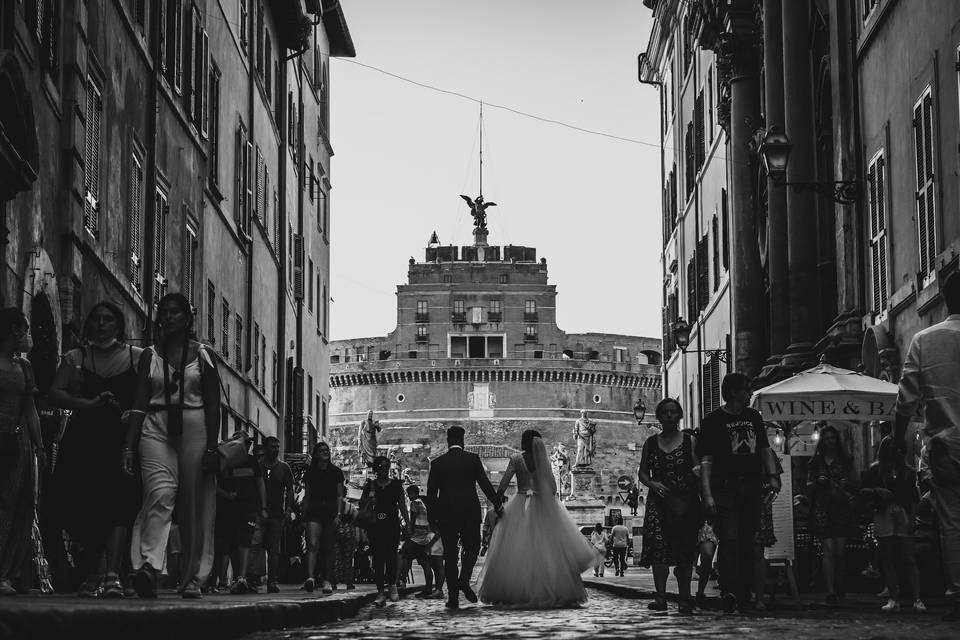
(537, 553)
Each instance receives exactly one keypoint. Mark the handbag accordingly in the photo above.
(233, 452)
(367, 513)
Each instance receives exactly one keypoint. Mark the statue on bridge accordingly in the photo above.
(367, 439)
(584, 432)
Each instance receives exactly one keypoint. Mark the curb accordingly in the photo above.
(150, 622)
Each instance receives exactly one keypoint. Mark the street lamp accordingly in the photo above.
(775, 150)
(681, 336)
(639, 410)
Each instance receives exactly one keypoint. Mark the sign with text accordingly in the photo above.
(783, 548)
(826, 408)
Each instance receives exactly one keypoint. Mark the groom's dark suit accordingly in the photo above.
(453, 504)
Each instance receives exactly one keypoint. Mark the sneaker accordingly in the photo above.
(870, 573)
(272, 587)
(892, 606)
(919, 607)
(884, 594)
(394, 595)
(308, 585)
(729, 602)
(327, 588)
(191, 591)
(381, 599)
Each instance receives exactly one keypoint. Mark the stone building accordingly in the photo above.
(477, 345)
(152, 146)
(839, 253)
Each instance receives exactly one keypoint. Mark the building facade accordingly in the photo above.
(477, 345)
(175, 145)
(841, 258)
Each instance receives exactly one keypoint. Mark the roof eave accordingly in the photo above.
(335, 24)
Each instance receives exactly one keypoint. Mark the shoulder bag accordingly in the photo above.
(367, 513)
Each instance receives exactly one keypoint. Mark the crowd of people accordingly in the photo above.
(140, 490)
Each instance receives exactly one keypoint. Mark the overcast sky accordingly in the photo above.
(404, 154)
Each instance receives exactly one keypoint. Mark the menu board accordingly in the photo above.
(784, 548)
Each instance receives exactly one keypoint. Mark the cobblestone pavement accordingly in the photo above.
(610, 617)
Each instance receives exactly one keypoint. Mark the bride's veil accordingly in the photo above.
(543, 473)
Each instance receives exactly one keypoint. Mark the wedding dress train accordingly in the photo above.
(537, 553)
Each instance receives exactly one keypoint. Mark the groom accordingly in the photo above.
(454, 506)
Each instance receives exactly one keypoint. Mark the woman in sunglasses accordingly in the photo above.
(174, 426)
(97, 501)
(390, 506)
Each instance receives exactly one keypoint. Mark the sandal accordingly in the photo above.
(111, 588)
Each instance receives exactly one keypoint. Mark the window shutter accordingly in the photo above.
(700, 141)
(225, 330)
(136, 224)
(160, 235)
(201, 64)
(190, 41)
(92, 132)
(715, 232)
(248, 184)
(715, 383)
(258, 200)
(298, 266)
(689, 160)
(705, 397)
(703, 274)
(725, 227)
(692, 288)
(238, 177)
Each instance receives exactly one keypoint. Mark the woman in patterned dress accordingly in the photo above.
(829, 486)
(673, 509)
(20, 445)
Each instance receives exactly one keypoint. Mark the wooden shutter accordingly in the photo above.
(190, 40)
(225, 330)
(876, 180)
(926, 189)
(715, 232)
(689, 161)
(164, 35)
(725, 228)
(258, 199)
(91, 169)
(189, 260)
(298, 266)
(700, 149)
(703, 274)
(692, 311)
(238, 176)
(201, 65)
(160, 234)
(136, 223)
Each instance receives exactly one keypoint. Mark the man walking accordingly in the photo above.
(278, 479)
(738, 470)
(453, 504)
(620, 538)
(931, 378)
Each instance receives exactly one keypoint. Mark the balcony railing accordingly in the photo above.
(423, 337)
(530, 337)
(531, 317)
(458, 318)
(423, 317)
(494, 316)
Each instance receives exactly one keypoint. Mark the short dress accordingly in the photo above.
(831, 510)
(669, 538)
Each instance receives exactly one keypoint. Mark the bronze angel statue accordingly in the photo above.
(478, 209)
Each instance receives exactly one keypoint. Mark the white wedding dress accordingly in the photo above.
(537, 553)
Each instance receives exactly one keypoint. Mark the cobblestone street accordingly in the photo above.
(607, 616)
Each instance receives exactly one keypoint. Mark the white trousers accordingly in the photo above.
(173, 480)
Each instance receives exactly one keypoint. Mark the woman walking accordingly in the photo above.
(322, 510)
(388, 502)
(673, 517)
(829, 487)
(20, 442)
(599, 540)
(97, 500)
(176, 420)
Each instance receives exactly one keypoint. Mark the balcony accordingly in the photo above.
(530, 337)
(531, 317)
(494, 316)
(423, 338)
(423, 317)
(458, 318)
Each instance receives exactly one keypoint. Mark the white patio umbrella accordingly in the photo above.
(825, 392)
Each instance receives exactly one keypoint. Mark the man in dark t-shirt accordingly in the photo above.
(278, 479)
(738, 474)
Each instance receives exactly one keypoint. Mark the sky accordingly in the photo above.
(590, 204)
